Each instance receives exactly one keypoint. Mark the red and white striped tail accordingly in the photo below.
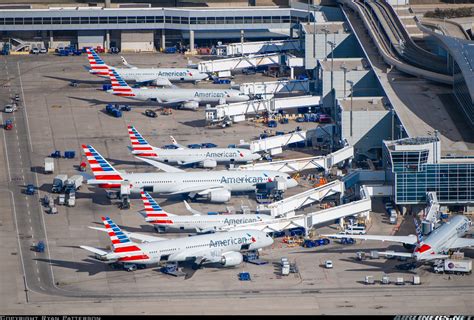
(119, 86)
(98, 66)
(140, 146)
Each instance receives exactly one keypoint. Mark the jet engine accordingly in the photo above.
(231, 259)
(190, 105)
(221, 195)
(208, 163)
(161, 82)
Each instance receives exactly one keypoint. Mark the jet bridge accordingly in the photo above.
(265, 89)
(274, 144)
(288, 206)
(296, 165)
(310, 220)
(236, 112)
(241, 48)
(242, 62)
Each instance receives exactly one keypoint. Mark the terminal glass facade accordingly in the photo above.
(453, 184)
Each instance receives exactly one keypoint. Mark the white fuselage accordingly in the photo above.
(188, 155)
(174, 182)
(180, 95)
(172, 74)
(210, 246)
(442, 238)
(204, 223)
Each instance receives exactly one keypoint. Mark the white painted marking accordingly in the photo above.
(24, 107)
(6, 152)
(39, 280)
(27, 204)
(37, 270)
(29, 212)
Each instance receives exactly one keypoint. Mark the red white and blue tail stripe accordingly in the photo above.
(121, 243)
(119, 86)
(140, 146)
(154, 213)
(101, 168)
(98, 66)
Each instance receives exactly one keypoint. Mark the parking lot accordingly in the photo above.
(56, 116)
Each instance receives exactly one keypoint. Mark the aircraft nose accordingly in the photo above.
(291, 183)
(255, 156)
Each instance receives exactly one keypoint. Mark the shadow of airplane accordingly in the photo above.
(91, 266)
(93, 82)
(95, 102)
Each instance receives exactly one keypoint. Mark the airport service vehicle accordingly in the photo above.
(222, 247)
(48, 165)
(155, 76)
(198, 222)
(215, 186)
(59, 182)
(183, 155)
(181, 98)
(354, 229)
(448, 236)
(10, 108)
(457, 266)
(74, 182)
(328, 264)
(150, 113)
(43, 50)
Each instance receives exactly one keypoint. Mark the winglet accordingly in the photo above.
(193, 211)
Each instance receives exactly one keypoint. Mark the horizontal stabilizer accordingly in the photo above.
(462, 243)
(396, 254)
(94, 250)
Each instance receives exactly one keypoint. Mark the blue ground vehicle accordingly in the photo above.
(244, 276)
(208, 145)
(194, 146)
(39, 247)
(30, 189)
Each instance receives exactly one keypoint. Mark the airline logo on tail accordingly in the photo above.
(422, 247)
(140, 146)
(154, 213)
(119, 86)
(101, 168)
(121, 243)
(98, 66)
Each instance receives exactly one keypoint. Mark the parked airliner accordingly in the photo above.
(182, 98)
(448, 236)
(222, 247)
(205, 158)
(155, 76)
(201, 223)
(215, 186)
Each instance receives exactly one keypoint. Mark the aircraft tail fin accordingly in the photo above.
(101, 168)
(140, 146)
(119, 86)
(98, 66)
(419, 234)
(153, 210)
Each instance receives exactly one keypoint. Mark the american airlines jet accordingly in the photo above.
(447, 237)
(184, 98)
(215, 186)
(156, 76)
(198, 222)
(223, 248)
(206, 158)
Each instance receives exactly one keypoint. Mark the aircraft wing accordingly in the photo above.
(462, 243)
(193, 211)
(411, 239)
(201, 190)
(160, 165)
(127, 64)
(137, 236)
(396, 254)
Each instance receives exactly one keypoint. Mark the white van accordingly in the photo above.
(355, 229)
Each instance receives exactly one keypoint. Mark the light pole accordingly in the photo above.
(326, 31)
(344, 68)
(351, 83)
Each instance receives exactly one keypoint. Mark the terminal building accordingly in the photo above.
(416, 167)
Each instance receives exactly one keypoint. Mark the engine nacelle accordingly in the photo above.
(190, 105)
(208, 163)
(231, 259)
(221, 195)
(161, 82)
